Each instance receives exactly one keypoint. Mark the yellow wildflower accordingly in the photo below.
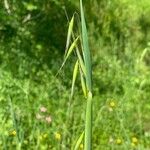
(133, 144)
(81, 146)
(134, 140)
(13, 133)
(45, 135)
(57, 136)
(112, 104)
(118, 141)
(40, 137)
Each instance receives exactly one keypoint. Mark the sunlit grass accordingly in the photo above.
(44, 111)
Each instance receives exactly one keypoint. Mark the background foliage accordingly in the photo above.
(32, 43)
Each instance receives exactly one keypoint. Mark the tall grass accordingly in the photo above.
(121, 85)
(83, 64)
(88, 77)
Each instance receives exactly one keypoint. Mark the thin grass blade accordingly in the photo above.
(80, 60)
(73, 45)
(79, 56)
(83, 84)
(88, 76)
(86, 51)
(70, 29)
(75, 72)
(79, 141)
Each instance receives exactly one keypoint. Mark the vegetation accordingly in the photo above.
(37, 110)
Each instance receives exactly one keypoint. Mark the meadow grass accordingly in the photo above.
(83, 61)
(42, 111)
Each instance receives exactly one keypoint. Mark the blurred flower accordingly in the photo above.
(81, 146)
(134, 140)
(48, 119)
(110, 109)
(40, 137)
(13, 133)
(57, 136)
(118, 141)
(43, 109)
(112, 104)
(38, 116)
(111, 140)
(147, 134)
(133, 144)
(45, 135)
(25, 142)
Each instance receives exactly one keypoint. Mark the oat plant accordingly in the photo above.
(83, 67)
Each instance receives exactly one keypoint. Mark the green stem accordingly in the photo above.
(88, 124)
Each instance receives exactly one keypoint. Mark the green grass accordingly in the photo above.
(88, 77)
(44, 111)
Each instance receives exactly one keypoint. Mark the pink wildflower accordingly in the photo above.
(48, 119)
(43, 109)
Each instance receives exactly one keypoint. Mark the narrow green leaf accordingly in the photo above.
(79, 141)
(83, 84)
(88, 76)
(70, 29)
(79, 56)
(73, 45)
(86, 51)
(80, 60)
(6, 5)
(75, 72)
(143, 54)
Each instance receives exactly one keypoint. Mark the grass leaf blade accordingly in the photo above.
(70, 29)
(79, 141)
(86, 51)
(75, 72)
(83, 84)
(73, 45)
(88, 76)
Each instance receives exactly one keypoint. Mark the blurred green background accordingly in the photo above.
(32, 44)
